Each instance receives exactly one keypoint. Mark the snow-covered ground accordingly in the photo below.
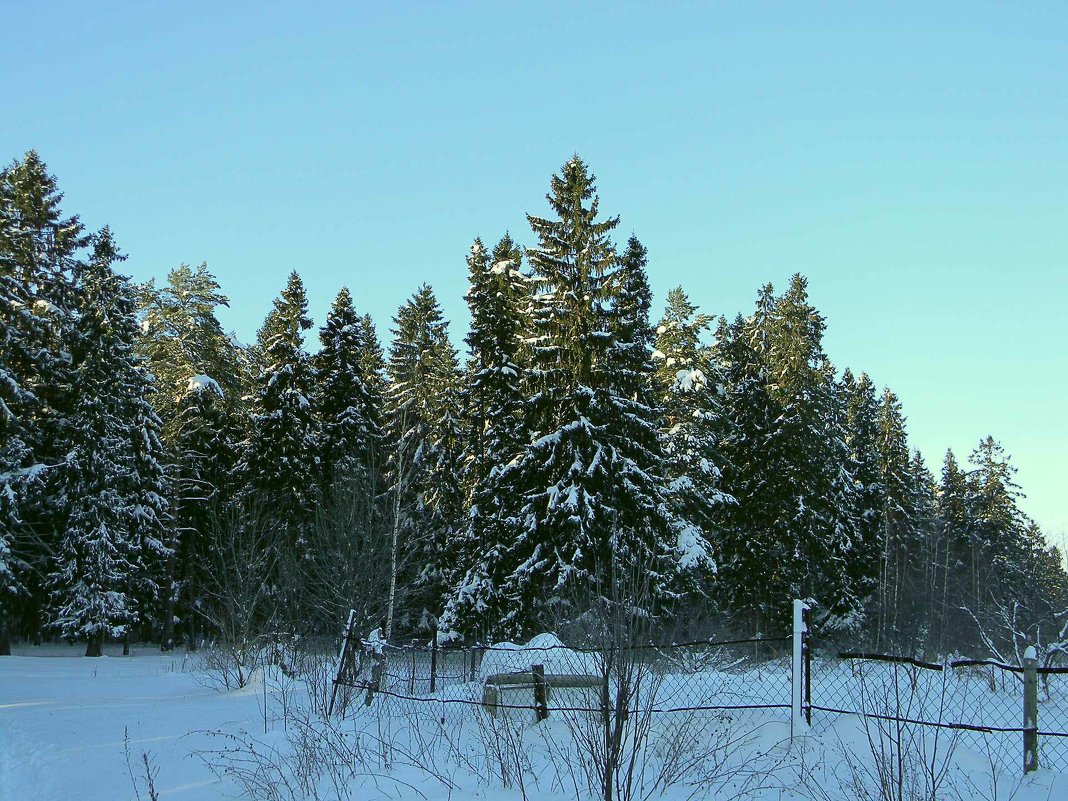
(65, 721)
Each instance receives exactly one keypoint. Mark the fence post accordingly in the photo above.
(797, 674)
(1030, 710)
(807, 647)
(541, 695)
(433, 658)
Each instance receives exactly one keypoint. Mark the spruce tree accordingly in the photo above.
(39, 252)
(425, 497)
(861, 424)
(996, 529)
(953, 521)
(585, 500)
(350, 428)
(792, 532)
(113, 486)
(693, 421)
(497, 297)
(493, 400)
(900, 538)
(281, 463)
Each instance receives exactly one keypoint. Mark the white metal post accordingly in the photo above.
(798, 725)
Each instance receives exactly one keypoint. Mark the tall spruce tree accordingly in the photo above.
(113, 488)
(351, 430)
(899, 534)
(498, 297)
(862, 439)
(281, 464)
(39, 255)
(996, 532)
(693, 423)
(953, 521)
(424, 429)
(792, 531)
(586, 501)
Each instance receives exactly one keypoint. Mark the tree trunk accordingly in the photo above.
(95, 644)
(126, 643)
(5, 636)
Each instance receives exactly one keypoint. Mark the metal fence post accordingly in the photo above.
(806, 645)
(797, 677)
(433, 659)
(1030, 709)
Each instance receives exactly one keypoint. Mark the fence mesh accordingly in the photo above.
(705, 688)
(711, 683)
(1053, 719)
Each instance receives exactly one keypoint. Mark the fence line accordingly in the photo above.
(726, 677)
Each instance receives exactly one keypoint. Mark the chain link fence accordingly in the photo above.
(708, 682)
(702, 689)
(978, 704)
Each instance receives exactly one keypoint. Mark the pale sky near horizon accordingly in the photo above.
(911, 160)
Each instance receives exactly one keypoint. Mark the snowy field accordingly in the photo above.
(72, 727)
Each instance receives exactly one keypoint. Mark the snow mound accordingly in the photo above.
(543, 649)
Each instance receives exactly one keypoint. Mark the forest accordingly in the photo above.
(162, 481)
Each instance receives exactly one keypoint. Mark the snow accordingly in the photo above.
(689, 380)
(64, 719)
(693, 549)
(198, 383)
(47, 307)
(542, 649)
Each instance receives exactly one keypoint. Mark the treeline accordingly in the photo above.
(160, 479)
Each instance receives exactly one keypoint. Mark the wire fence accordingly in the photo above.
(976, 704)
(705, 686)
(710, 683)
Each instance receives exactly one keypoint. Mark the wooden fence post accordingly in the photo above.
(1030, 710)
(541, 694)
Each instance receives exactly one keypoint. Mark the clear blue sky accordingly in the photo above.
(911, 160)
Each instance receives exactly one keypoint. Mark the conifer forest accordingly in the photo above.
(161, 481)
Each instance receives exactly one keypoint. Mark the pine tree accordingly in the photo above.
(188, 351)
(586, 499)
(114, 489)
(182, 338)
(281, 462)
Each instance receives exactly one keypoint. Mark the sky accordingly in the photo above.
(910, 159)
